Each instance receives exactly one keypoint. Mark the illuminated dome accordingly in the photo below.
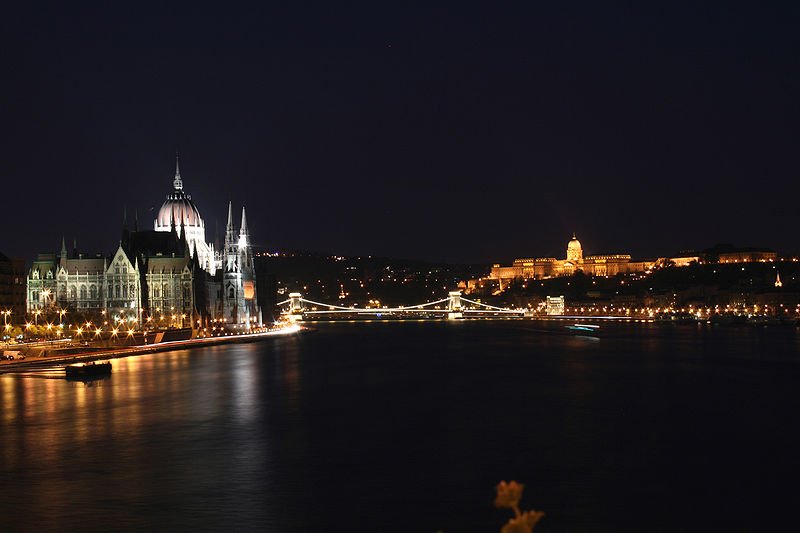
(179, 208)
(574, 249)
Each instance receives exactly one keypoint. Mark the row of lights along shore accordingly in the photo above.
(123, 325)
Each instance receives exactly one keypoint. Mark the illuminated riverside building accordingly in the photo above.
(179, 210)
(548, 267)
(748, 256)
(169, 275)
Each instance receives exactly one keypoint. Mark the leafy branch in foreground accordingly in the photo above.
(508, 495)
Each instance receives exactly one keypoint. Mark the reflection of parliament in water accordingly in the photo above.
(546, 267)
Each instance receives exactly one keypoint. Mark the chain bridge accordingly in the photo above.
(454, 307)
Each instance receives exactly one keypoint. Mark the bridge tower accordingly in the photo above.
(454, 305)
(295, 306)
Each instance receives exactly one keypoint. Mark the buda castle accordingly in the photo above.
(170, 271)
(547, 267)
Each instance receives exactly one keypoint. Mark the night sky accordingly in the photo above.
(463, 132)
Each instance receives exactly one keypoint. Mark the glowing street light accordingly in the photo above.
(46, 296)
(6, 314)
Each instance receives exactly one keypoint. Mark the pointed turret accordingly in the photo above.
(230, 229)
(63, 248)
(125, 233)
(778, 282)
(231, 243)
(243, 230)
(177, 182)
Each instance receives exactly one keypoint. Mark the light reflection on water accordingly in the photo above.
(126, 446)
(408, 427)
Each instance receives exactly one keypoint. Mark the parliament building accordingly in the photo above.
(168, 272)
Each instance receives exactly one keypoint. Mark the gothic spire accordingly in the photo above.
(63, 248)
(177, 182)
(230, 217)
(243, 229)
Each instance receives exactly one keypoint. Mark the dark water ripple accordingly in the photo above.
(408, 427)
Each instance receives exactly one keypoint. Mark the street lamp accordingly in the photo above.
(46, 296)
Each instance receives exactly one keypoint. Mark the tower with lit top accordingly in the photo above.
(239, 302)
(179, 213)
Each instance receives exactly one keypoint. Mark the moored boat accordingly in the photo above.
(88, 370)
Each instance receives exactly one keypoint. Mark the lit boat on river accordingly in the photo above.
(583, 328)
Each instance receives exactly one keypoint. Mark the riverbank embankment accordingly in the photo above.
(81, 354)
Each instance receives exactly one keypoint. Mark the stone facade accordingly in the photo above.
(166, 276)
(548, 267)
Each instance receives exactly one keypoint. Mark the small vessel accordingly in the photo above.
(583, 328)
(88, 370)
(766, 320)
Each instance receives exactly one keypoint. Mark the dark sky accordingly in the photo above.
(463, 132)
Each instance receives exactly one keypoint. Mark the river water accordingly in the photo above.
(409, 426)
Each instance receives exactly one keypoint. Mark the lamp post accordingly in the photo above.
(6, 325)
(46, 297)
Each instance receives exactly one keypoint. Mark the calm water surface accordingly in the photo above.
(409, 426)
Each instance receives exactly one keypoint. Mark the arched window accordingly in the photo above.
(93, 292)
(230, 293)
(124, 291)
(116, 291)
(73, 293)
(83, 292)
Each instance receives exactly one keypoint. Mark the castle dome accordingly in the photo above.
(574, 244)
(178, 207)
(574, 250)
